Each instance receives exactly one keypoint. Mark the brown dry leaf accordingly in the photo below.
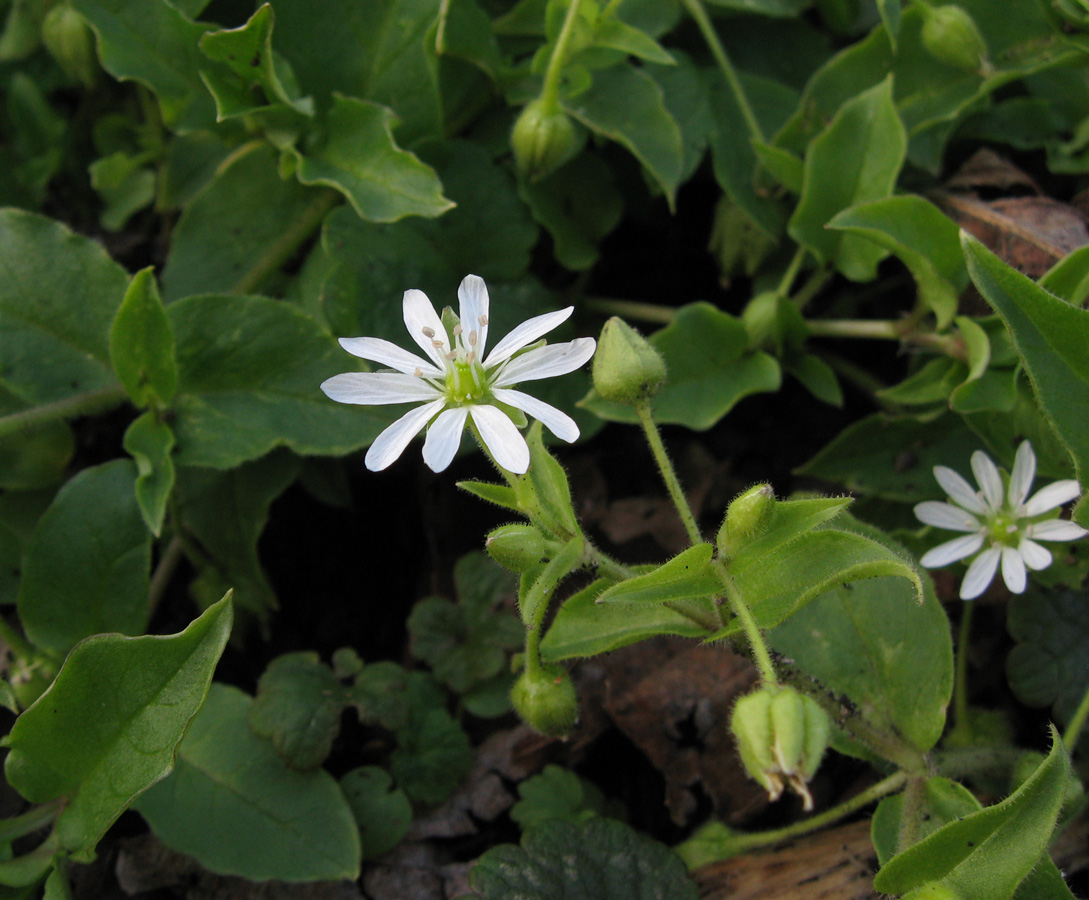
(988, 170)
(672, 698)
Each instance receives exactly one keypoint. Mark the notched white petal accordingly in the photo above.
(525, 334)
(951, 551)
(389, 354)
(1013, 570)
(419, 315)
(1053, 495)
(559, 423)
(444, 438)
(1022, 475)
(988, 478)
(980, 574)
(377, 388)
(1035, 556)
(473, 305)
(1055, 530)
(502, 438)
(391, 443)
(959, 490)
(946, 515)
(547, 362)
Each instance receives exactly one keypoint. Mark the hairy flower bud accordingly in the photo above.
(546, 700)
(781, 736)
(950, 34)
(518, 548)
(746, 517)
(627, 369)
(542, 140)
(68, 38)
(761, 320)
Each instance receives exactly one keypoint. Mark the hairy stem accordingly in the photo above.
(550, 93)
(669, 474)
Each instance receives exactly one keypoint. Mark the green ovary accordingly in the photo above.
(465, 382)
(1003, 530)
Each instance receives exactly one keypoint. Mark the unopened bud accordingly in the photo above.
(627, 369)
(933, 891)
(542, 140)
(781, 736)
(546, 700)
(761, 320)
(518, 548)
(68, 38)
(746, 518)
(950, 34)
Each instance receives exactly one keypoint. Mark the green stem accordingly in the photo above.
(164, 571)
(738, 843)
(911, 816)
(883, 329)
(703, 21)
(669, 475)
(812, 286)
(285, 246)
(960, 677)
(1074, 727)
(791, 273)
(15, 641)
(85, 404)
(632, 309)
(606, 565)
(550, 93)
(896, 750)
(32, 820)
(760, 653)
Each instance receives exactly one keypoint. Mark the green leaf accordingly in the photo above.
(78, 579)
(688, 576)
(433, 756)
(108, 727)
(556, 793)
(499, 494)
(233, 805)
(126, 185)
(142, 344)
(1047, 666)
(876, 644)
(601, 859)
(249, 371)
(986, 855)
(924, 239)
(59, 293)
(1069, 277)
(358, 157)
(382, 812)
(151, 42)
(856, 159)
(709, 370)
(1051, 337)
(943, 801)
(790, 519)
(34, 457)
(583, 628)
(893, 458)
(237, 231)
(225, 511)
(625, 105)
(379, 694)
(614, 34)
(150, 441)
(297, 708)
(247, 54)
(785, 9)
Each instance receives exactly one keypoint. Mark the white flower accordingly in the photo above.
(457, 381)
(1003, 522)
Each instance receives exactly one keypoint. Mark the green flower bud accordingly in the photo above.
(933, 891)
(761, 320)
(542, 140)
(627, 369)
(781, 736)
(746, 518)
(518, 548)
(546, 700)
(950, 34)
(67, 36)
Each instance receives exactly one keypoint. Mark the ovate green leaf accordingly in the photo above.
(382, 811)
(142, 344)
(150, 442)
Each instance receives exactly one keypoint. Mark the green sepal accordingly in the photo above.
(499, 494)
(538, 585)
(688, 576)
(142, 344)
(543, 493)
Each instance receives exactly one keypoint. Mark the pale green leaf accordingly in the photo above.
(150, 441)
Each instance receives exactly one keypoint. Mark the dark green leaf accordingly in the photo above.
(381, 811)
(142, 344)
(433, 756)
(379, 694)
(150, 441)
(601, 859)
(79, 579)
(556, 793)
(233, 805)
(943, 801)
(688, 576)
(108, 727)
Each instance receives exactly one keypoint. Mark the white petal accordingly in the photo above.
(1055, 530)
(444, 438)
(1024, 471)
(1035, 556)
(1013, 570)
(980, 574)
(502, 438)
(959, 490)
(473, 297)
(559, 423)
(526, 333)
(420, 314)
(946, 515)
(378, 388)
(1051, 496)
(389, 354)
(545, 362)
(951, 551)
(391, 443)
(988, 479)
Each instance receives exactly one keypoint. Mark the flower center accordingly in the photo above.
(1002, 529)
